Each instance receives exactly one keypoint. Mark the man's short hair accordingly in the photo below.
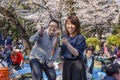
(54, 20)
(112, 69)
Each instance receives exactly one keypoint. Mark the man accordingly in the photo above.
(44, 51)
(89, 60)
(113, 72)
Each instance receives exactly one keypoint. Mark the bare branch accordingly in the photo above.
(42, 6)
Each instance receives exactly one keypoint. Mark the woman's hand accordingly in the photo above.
(64, 40)
(70, 47)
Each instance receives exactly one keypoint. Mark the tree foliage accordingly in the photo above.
(92, 40)
(96, 16)
(114, 39)
(116, 29)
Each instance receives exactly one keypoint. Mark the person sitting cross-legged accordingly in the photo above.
(17, 59)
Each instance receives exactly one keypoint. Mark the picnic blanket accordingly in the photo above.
(97, 73)
(25, 69)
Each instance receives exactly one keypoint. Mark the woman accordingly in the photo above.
(105, 50)
(72, 50)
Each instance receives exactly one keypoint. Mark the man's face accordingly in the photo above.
(88, 54)
(52, 28)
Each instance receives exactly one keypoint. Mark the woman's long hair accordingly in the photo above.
(74, 20)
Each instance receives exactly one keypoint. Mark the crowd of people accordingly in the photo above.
(12, 53)
(77, 56)
(106, 54)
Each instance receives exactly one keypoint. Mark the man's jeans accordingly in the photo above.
(37, 68)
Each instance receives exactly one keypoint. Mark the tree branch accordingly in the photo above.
(39, 5)
(13, 18)
(46, 8)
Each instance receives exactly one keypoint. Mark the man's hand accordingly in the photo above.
(41, 31)
(50, 64)
(57, 33)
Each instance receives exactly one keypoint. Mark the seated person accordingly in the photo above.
(117, 56)
(17, 59)
(118, 52)
(112, 71)
(89, 60)
(105, 50)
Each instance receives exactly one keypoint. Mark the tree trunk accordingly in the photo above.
(13, 18)
(69, 5)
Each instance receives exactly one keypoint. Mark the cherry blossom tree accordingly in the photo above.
(97, 16)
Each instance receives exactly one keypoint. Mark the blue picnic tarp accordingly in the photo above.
(97, 73)
(25, 69)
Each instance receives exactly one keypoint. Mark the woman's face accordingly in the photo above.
(105, 44)
(70, 28)
(52, 28)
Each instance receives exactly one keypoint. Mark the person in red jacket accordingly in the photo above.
(17, 59)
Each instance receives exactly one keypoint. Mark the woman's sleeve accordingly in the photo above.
(81, 45)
